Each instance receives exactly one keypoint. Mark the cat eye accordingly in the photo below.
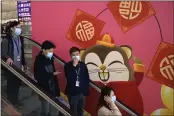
(92, 64)
(115, 62)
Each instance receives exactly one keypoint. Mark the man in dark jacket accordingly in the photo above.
(77, 76)
(12, 49)
(46, 76)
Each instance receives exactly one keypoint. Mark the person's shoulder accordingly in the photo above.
(103, 111)
(39, 56)
(68, 63)
(103, 108)
(82, 63)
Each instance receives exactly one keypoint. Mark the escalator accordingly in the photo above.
(62, 103)
(28, 96)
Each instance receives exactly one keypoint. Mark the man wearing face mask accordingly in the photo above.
(12, 49)
(46, 76)
(77, 88)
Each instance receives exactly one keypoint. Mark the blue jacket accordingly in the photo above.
(71, 76)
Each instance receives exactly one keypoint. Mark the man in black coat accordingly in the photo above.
(77, 88)
(12, 49)
(46, 76)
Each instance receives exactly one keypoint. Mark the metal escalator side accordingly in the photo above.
(7, 109)
(95, 88)
(32, 85)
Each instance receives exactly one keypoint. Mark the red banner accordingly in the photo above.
(128, 14)
(85, 29)
(162, 66)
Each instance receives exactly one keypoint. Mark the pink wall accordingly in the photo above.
(51, 21)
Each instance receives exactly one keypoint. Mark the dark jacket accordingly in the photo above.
(71, 76)
(7, 48)
(43, 73)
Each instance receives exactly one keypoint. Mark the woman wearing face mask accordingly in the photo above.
(106, 105)
(46, 76)
(13, 50)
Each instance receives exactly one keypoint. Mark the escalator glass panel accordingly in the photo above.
(30, 95)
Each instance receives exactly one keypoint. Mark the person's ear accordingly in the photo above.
(44, 51)
(128, 50)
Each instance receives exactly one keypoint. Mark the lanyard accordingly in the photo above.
(17, 44)
(78, 72)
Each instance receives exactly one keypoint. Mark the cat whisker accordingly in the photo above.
(93, 70)
(118, 70)
(96, 69)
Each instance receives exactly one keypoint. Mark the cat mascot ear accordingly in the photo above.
(128, 50)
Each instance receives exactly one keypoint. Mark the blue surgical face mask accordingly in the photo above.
(18, 31)
(50, 55)
(113, 98)
(76, 57)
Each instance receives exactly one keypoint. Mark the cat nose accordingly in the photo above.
(102, 67)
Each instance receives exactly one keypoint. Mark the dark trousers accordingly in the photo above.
(13, 85)
(47, 109)
(77, 104)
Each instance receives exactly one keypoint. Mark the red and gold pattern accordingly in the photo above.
(162, 66)
(85, 29)
(128, 14)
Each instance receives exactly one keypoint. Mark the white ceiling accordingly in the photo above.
(9, 9)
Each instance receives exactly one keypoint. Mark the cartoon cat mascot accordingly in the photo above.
(108, 65)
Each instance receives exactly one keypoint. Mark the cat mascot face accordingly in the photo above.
(108, 65)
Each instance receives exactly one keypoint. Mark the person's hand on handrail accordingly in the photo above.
(9, 61)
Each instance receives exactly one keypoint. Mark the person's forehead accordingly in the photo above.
(74, 53)
(50, 49)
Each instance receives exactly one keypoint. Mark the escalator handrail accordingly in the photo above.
(33, 85)
(118, 102)
(61, 61)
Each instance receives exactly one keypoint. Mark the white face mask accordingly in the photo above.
(76, 57)
(18, 31)
(50, 55)
(113, 98)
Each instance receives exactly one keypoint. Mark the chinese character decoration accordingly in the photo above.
(85, 29)
(128, 14)
(162, 66)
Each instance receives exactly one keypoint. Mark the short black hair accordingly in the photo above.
(74, 49)
(14, 23)
(46, 45)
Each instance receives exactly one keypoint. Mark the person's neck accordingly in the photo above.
(14, 35)
(43, 53)
(75, 64)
